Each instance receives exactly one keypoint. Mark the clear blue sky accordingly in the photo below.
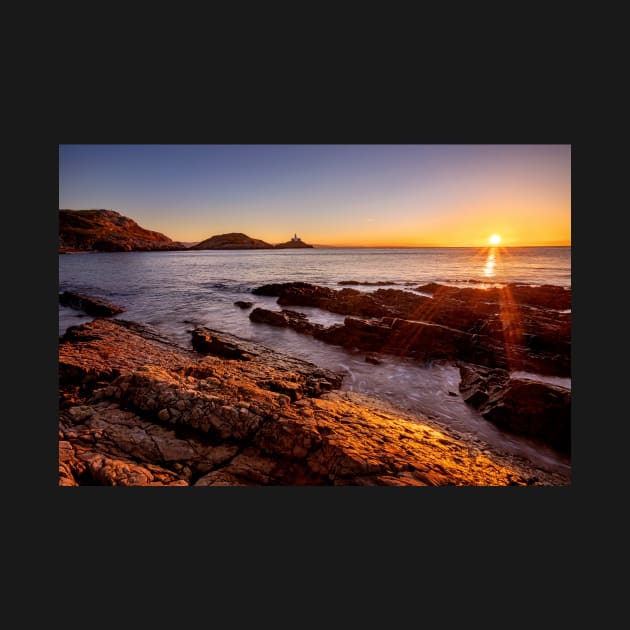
(330, 194)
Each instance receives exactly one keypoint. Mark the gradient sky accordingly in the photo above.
(367, 195)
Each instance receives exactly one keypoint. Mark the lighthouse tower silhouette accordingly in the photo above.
(295, 237)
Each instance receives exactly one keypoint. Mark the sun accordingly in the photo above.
(495, 239)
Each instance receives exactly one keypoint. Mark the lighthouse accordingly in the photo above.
(295, 238)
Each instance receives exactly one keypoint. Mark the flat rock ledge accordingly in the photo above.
(138, 410)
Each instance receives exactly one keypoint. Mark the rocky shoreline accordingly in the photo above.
(136, 409)
(516, 327)
(487, 333)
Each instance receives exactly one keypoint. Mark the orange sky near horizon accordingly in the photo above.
(517, 223)
(337, 195)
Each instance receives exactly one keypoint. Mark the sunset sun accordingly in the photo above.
(495, 239)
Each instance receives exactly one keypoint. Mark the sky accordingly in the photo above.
(340, 195)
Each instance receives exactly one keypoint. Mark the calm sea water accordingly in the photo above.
(173, 291)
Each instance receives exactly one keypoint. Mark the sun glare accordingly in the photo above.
(495, 239)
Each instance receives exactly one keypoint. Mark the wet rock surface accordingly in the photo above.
(96, 307)
(285, 319)
(491, 331)
(522, 406)
(137, 409)
(515, 327)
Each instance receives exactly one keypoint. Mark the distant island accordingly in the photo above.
(232, 240)
(238, 240)
(110, 231)
(295, 243)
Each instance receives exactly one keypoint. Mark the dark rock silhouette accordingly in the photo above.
(238, 240)
(232, 240)
(294, 243)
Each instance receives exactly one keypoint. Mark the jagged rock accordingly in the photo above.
(515, 327)
(243, 304)
(265, 316)
(478, 383)
(203, 341)
(285, 319)
(144, 411)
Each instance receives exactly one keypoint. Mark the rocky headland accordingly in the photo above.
(108, 231)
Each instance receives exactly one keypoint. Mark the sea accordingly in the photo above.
(175, 291)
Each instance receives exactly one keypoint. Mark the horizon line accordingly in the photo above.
(191, 243)
(439, 246)
(320, 246)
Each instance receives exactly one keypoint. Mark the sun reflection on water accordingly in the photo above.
(489, 267)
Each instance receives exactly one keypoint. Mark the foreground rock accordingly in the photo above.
(108, 231)
(136, 409)
(515, 327)
(88, 304)
(522, 406)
